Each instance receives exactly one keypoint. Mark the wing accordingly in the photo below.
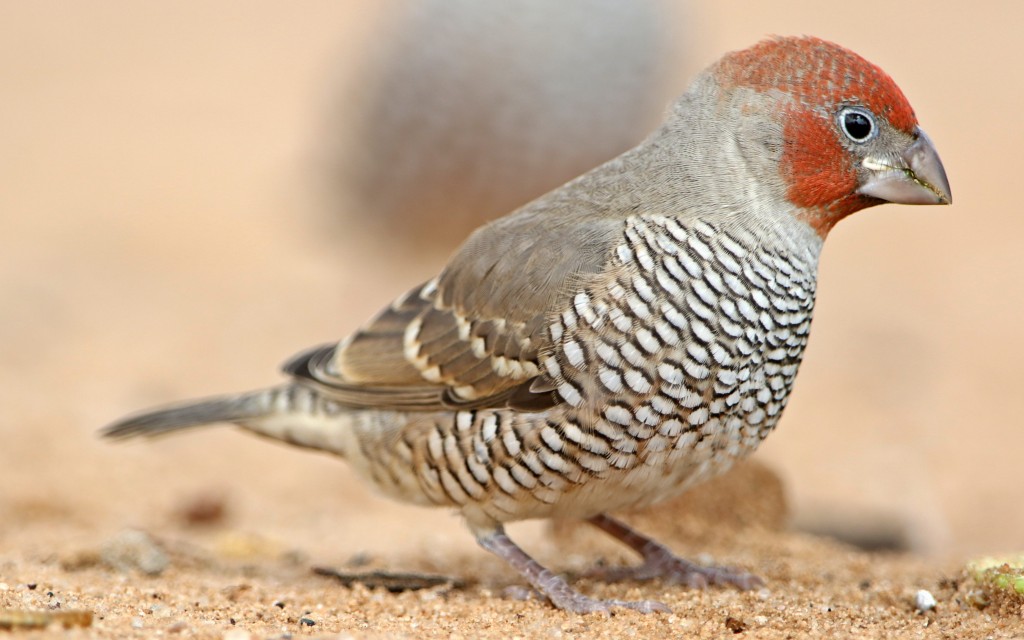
(473, 337)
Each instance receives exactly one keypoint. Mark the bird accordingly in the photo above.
(622, 338)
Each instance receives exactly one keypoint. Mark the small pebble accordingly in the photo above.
(977, 598)
(924, 601)
(204, 509)
(306, 621)
(735, 624)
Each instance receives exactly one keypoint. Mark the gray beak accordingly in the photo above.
(914, 176)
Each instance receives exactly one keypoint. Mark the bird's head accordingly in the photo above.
(838, 133)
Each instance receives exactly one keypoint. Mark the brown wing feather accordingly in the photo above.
(473, 337)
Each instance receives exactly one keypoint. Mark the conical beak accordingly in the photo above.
(915, 176)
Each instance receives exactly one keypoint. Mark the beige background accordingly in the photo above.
(160, 238)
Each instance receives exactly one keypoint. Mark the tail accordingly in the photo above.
(299, 415)
(293, 413)
(237, 409)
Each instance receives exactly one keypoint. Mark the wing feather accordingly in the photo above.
(474, 336)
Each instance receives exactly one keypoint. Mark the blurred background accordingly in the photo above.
(191, 192)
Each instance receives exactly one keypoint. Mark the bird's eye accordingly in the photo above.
(857, 124)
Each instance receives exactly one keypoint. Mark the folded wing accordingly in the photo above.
(474, 337)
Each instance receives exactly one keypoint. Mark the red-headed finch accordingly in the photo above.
(622, 338)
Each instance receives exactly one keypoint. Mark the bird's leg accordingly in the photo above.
(660, 562)
(553, 587)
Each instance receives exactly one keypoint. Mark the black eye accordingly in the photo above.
(857, 124)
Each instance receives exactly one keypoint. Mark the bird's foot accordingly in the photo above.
(568, 599)
(554, 587)
(660, 562)
(675, 570)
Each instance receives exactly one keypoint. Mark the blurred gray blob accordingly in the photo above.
(467, 109)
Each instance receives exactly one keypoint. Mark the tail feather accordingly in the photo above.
(196, 413)
(296, 414)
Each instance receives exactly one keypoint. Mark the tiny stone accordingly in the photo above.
(136, 623)
(31, 586)
(924, 601)
(294, 556)
(203, 509)
(306, 621)
(360, 559)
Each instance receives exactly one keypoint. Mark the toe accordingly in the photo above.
(739, 579)
(645, 606)
(579, 603)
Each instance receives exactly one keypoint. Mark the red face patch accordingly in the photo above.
(820, 76)
(818, 170)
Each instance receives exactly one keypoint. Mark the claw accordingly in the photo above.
(660, 562)
(553, 587)
(579, 603)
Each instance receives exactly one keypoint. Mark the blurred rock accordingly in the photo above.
(240, 545)
(134, 550)
(861, 527)
(467, 109)
(751, 495)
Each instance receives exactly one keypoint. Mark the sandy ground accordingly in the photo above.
(159, 239)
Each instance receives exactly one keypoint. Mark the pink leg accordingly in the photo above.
(660, 562)
(552, 586)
